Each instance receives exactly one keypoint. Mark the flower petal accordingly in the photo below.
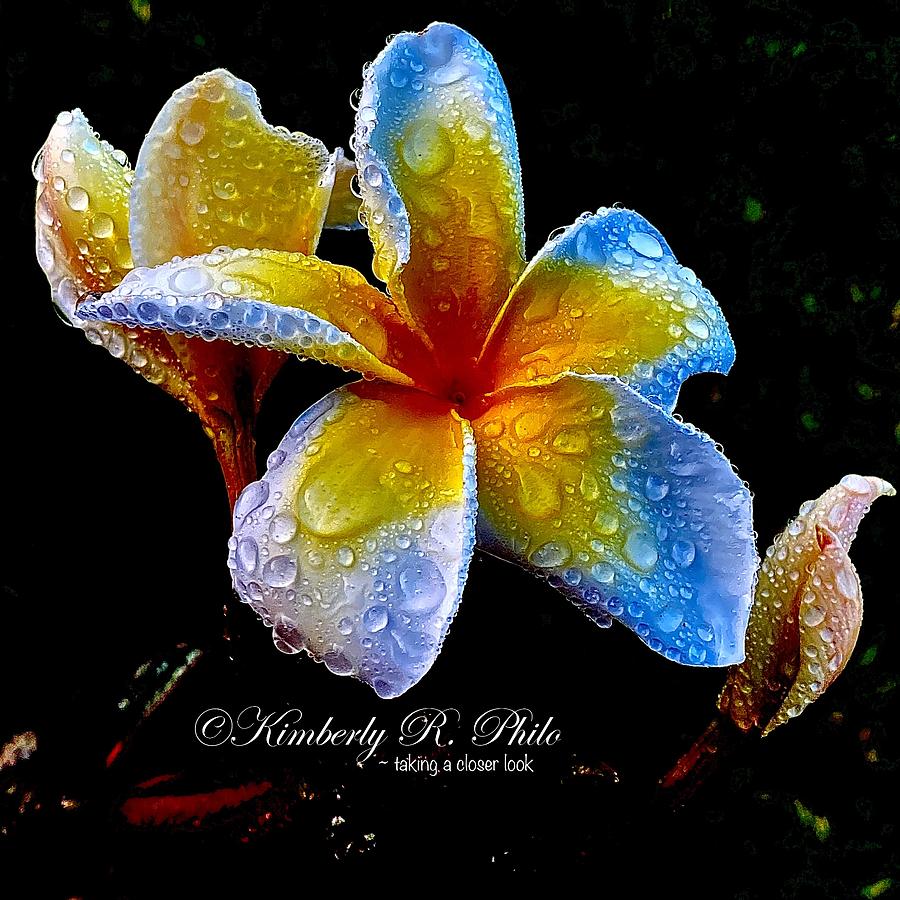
(343, 207)
(81, 226)
(211, 171)
(274, 299)
(82, 245)
(81, 212)
(608, 296)
(441, 183)
(631, 514)
(807, 612)
(356, 543)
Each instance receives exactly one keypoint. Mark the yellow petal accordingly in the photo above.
(807, 611)
(81, 225)
(608, 296)
(212, 172)
(82, 211)
(441, 184)
(355, 544)
(273, 299)
(343, 208)
(634, 516)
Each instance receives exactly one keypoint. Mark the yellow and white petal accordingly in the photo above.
(355, 544)
(633, 515)
(441, 183)
(212, 172)
(807, 612)
(273, 299)
(608, 296)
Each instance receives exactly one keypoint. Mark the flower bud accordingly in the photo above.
(807, 610)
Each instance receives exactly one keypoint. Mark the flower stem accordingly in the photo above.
(236, 452)
(721, 740)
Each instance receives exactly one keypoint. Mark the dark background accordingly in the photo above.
(763, 140)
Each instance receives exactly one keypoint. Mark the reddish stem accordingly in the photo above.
(237, 459)
(236, 452)
(718, 743)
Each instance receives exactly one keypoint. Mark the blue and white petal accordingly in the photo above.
(608, 296)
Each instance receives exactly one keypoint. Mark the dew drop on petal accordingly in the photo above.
(283, 527)
(551, 554)
(645, 244)
(251, 498)
(640, 550)
(280, 571)
(375, 619)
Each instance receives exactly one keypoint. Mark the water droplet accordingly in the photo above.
(191, 132)
(345, 557)
(846, 583)
(538, 492)
(696, 654)
(287, 636)
(645, 244)
(337, 663)
(280, 571)
(372, 175)
(551, 554)
(192, 280)
(856, 483)
(375, 619)
(252, 497)
(589, 245)
(630, 425)
(77, 198)
(640, 550)
(815, 615)
(669, 619)
(588, 486)
(572, 441)
(423, 586)
(247, 555)
(655, 487)
(683, 553)
(323, 508)
(283, 527)
(345, 626)
(603, 572)
(427, 148)
(529, 425)
(606, 522)
(147, 311)
(697, 327)
(102, 226)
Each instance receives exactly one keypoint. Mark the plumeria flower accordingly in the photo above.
(210, 172)
(523, 407)
(807, 613)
